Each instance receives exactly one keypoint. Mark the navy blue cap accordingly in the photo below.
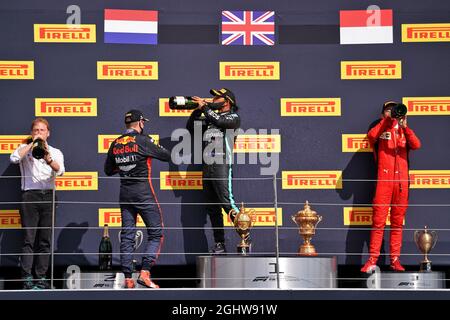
(134, 115)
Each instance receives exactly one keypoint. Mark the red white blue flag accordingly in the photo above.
(248, 28)
(131, 26)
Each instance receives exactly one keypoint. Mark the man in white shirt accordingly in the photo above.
(38, 182)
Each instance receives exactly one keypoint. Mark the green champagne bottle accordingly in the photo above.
(105, 251)
(179, 102)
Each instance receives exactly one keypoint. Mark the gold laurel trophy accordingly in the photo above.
(307, 221)
(425, 241)
(243, 221)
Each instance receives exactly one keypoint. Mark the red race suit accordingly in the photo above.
(391, 144)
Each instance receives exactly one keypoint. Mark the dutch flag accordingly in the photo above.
(131, 26)
(366, 26)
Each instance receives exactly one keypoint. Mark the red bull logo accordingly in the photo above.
(126, 140)
(105, 140)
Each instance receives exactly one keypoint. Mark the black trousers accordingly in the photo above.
(37, 221)
(217, 188)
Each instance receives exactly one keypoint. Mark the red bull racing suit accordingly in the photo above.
(131, 156)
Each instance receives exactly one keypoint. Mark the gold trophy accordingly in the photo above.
(425, 241)
(307, 221)
(243, 221)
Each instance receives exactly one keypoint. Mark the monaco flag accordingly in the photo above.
(366, 26)
(131, 26)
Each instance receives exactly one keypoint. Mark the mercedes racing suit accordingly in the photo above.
(391, 144)
(217, 177)
(131, 156)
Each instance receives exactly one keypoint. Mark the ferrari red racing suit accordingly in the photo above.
(391, 144)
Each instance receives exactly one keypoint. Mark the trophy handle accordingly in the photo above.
(319, 218)
(252, 214)
(435, 237)
(293, 219)
(230, 215)
(416, 236)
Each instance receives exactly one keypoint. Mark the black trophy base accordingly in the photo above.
(243, 250)
(425, 266)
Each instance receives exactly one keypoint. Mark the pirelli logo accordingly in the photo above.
(429, 179)
(248, 143)
(65, 107)
(265, 217)
(181, 180)
(312, 179)
(105, 140)
(80, 33)
(250, 70)
(426, 32)
(165, 111)
(81, 181)
(307, 107)
(355, 143)
(10, 219)
(10, 143)
(113, 218)
(16, 70)
(427, 106)
(361, 216)
(127, 70)
(370, 70)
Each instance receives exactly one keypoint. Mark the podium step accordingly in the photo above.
(76, 279)
(406, 280)
(260, 272)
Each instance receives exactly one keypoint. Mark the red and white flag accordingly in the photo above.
(366, 26)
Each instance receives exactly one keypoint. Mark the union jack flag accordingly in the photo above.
(248, 28)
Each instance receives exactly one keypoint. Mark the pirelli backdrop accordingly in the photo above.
(318, 71)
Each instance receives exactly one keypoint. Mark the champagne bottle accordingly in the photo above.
(105, 251)
(180, 102)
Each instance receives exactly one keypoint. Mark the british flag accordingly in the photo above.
(248, 28)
